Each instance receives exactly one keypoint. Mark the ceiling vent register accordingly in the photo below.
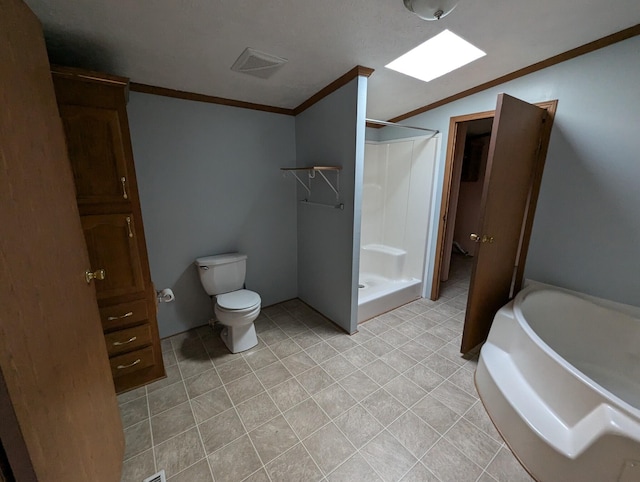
(258, 64)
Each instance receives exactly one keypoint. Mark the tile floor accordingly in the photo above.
(310, 403)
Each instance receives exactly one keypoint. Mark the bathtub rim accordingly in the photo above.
(534, 286)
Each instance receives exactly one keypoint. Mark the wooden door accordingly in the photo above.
(94, 143)
(112, 246)
(511, 169)
(59, 418)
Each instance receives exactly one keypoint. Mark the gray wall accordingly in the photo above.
(210, 183)
(586, 234)
(331, 132)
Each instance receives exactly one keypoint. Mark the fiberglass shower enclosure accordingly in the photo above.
(396, 205)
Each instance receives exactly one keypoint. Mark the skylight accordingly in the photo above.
(437, 56)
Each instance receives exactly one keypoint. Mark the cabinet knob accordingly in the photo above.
(97, 274)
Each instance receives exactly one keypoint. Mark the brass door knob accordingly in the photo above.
(97, 274)
(484, 239)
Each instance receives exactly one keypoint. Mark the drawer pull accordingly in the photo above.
(128, 219)
(118, 343)
(120, 367)
(123, 180)
(126, 315)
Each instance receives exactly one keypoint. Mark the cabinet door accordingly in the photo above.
(112, 246)
(94, 142)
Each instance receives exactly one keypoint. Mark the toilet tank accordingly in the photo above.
(222, 273)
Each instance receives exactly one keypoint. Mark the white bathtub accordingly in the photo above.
(560, 377)
(382, 284)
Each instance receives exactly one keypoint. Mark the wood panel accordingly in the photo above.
(56, 376)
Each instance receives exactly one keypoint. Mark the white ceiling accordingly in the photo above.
(190, 45)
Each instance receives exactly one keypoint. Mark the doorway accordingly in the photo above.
(514, 163)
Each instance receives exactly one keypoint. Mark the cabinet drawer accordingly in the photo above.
(124, 314)
(131, 362)
(128, 339)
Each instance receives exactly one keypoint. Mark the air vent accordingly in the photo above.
(258, 64)
(159, 477)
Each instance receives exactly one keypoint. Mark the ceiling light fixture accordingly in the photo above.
(431, 9)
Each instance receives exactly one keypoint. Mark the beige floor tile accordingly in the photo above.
(210, 404)
(435, 414)
(138, 468)
(261, 358)
(220, 430)
(398, 360)
(198, 472)
(244, 388)
(464, 379)
(285, 348)
(172, 422)
(388, 457)
(439, 364)
(376, 326)
(479, 417)
(395, 338)
(259, 476)
(167, 398)
(273, 375)
(506, 468)
(321, 352)
(137, 439)
(377, 346)
(274, 336)
(193, 366)
(173, 376)
(257, 410)
(449, 464)
(414, 434)
(233, 370)
(453, 397)
(356, 468)
(288, 394)
(334, 400)
(134, 412)
(380, 372)
(359, 356)
(294, 465)
(315, 380)
(419, 473)
(358, 425)
(405, 391)
(359, 385)
(362, 334)
(410, 329)
(328, 447)
(338, 367)
(298, 363)
(431, 341)
(485, 477)
(424, 377)
(451, 351)
(273, 438)
(307, 339)
(415, 350)
(179, 452)
(342, 343)
(131, 395)
(235, 461)
(383, 407)
(472, 442)
(202, 383)
(306, 417)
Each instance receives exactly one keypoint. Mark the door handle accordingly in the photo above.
(97, 274)
(484, 239)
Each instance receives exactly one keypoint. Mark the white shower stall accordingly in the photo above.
(396, 206)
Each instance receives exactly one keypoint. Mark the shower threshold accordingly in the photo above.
(379, 294)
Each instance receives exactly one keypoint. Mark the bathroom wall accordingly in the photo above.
(586, 234)
(210, 183)
(332, 132)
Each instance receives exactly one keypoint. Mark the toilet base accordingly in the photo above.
(239, 338)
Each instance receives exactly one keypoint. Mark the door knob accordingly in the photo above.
(97, 274)
(484, 239)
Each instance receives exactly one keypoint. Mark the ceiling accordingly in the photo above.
(190, 45)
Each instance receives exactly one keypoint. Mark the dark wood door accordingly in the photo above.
(59, 418)
(112, 246)
(511, 169)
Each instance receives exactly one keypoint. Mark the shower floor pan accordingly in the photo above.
(377, 294)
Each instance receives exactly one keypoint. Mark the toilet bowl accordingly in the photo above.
(236, 311)
(236, 308)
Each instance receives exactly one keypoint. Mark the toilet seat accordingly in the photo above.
(238, 301)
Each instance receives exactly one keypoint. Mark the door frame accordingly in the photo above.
(453, 144)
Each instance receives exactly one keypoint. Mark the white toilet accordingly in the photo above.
(222, 277)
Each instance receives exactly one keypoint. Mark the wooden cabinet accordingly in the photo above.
(93, 111)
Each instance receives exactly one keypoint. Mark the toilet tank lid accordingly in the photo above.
(220, 259)
(238, 300)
